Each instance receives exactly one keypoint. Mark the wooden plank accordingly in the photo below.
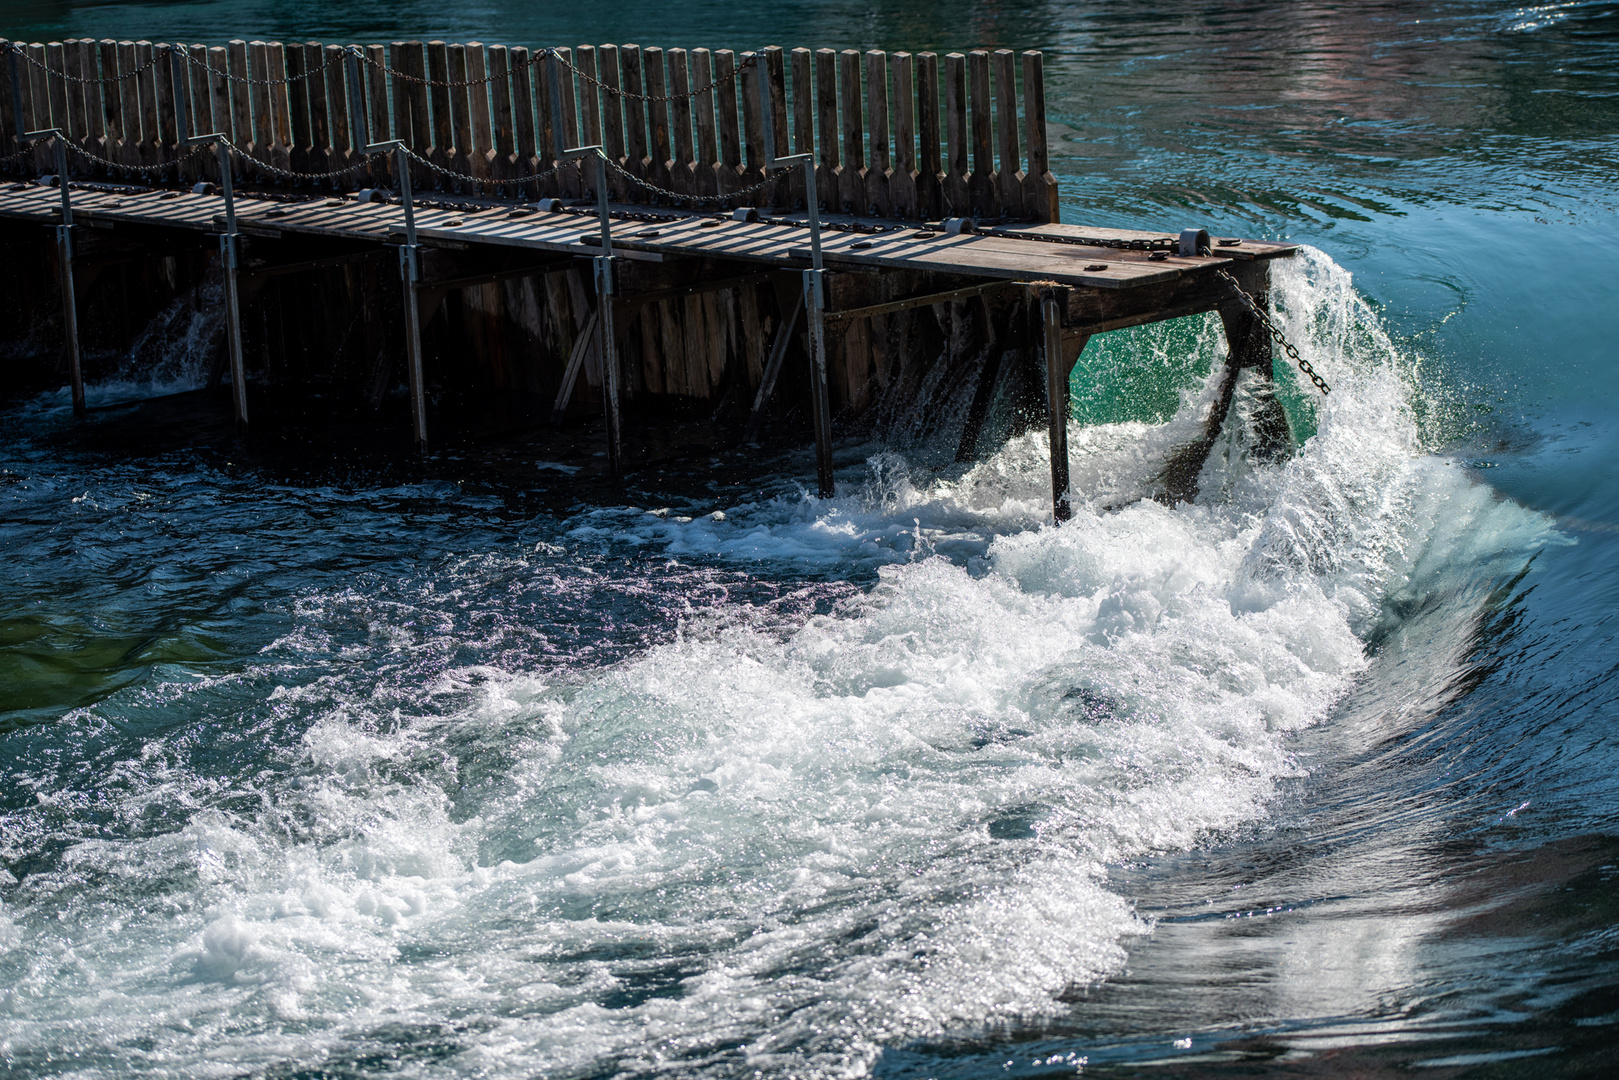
(828, 160)
(1039, 186)
(877, 175)
(779, 132)
(564, 118)
(981, 181)
(112, 102)
(39, 96)
(772, 368)
(299, 149)
(151, 147)
(201, 119)
(590, 103)
(584, 343)
(129, 106)
(412, 60)
(479, 150)
(852, 177)
(682, 174)
(378, 126)
(258, 68)
(280, 150)
(902, 179)
(729, 172)
(461, 152)
(8, 105)
(522, 106)
(84, 104)
(56, 84)
(636, 156)
(953, 184)
(241, 109)
(320, 77)
(753, 129)
(503, 163)
(168, 128)
(340, 156)
(803, 64)
(437, 55)
(545, 156)
(1009, 175)
(659, 157)
(612, 117)
(706, 171)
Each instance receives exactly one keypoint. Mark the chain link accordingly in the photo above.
(698, 200)
(1276, 333)
(453, 84)
(248, 80)
(466, 177)
(747, 61)
(17, 48)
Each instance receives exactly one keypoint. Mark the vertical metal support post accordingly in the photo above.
(64, 257)
(815, 311)
(230, 261)
(410, 269)
(1056, 404)
(814, 297)
(608, 347)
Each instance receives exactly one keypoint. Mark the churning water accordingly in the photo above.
(347, 774)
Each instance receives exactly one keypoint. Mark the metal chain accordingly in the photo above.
(1276, 334)
(698, 200)
(48, 70)
(249, 80)
(454, 84)
(747, 62)
(141, 170)
(464, 177)
(289, 174)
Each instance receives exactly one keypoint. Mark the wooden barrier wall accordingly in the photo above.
(897, 135)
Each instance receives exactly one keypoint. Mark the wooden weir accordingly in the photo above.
(295, 170)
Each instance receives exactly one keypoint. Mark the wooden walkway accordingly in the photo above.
(482, 217)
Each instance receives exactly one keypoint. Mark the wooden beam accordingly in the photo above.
(767, 382)
(849, 314)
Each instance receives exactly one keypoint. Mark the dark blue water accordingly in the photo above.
(370, 768)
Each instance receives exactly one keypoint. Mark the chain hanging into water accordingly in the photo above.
(1276, 333)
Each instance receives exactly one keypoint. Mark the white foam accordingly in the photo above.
(779, 849)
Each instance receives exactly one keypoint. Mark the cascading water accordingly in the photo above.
(410, 833)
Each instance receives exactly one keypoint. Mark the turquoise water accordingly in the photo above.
(364, 769)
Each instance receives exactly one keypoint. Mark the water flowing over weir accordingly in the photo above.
(818, 823)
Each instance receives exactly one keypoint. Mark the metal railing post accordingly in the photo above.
(64, 257)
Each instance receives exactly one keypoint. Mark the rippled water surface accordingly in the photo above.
(374, 768)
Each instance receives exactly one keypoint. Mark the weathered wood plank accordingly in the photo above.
(902, 180)
(1009, 174)
(729, 171)
(417, 121)
(828, 161)
(280, 155)
(480, 147)
(780, 133)
(56, 84)
(320, 132)
(168, 128)
(803, 65)
(461, 150)
(1040, 187)
(635, 145)
(241, 109)
(852, 177)
(503, 164)
(878, 194)
(612, 119)
(378, 126)
(682, 173)
(112, 103)
(129, 104)
(706, 170)
(658, 154)
(438, 94)
(151, 147)
(953, 184)
(981, 181)
(298, 104)
(753, 129)
(8, 105)
(340, 156)
(522, 83)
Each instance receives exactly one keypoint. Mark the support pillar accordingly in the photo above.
(64, 258)
(820, 400)
(1059, 366)
(607, 346)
